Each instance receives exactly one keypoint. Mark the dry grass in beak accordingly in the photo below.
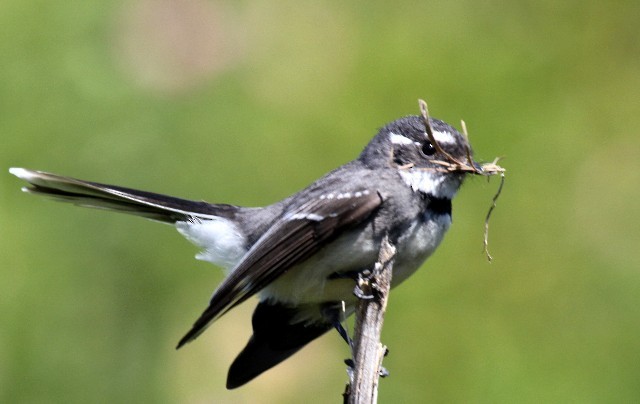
(451, 164)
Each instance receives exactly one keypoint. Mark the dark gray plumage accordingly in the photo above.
(297, 253)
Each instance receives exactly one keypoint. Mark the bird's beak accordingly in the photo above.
(478, 168)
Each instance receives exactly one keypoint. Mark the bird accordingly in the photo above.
(301, 255)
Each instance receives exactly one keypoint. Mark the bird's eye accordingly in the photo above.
(428, 149)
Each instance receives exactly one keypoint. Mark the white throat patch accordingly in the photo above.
(436, 184)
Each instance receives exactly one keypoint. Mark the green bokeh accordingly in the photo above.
(92, 304)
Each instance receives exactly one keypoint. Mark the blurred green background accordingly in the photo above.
(246, 102)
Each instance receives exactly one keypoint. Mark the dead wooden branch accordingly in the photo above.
(368, 351)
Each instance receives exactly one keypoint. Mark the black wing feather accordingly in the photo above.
(292, 239)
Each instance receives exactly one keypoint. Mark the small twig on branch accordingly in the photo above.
(368, 351)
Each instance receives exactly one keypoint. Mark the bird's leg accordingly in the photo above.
(365, 288)
(335, 313)
(343, 333)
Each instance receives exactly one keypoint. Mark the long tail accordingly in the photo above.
(141, 203)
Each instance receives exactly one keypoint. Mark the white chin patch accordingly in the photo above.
(222, 242)
(436, 184)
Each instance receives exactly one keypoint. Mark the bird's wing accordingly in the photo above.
(294, 237)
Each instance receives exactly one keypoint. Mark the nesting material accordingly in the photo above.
(451, 164)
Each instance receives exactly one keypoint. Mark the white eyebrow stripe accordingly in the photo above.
(399, 139)
(441, 137)
(444, 137)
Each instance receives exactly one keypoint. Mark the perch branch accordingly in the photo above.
(373, 291)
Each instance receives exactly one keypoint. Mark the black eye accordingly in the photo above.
(428, 149)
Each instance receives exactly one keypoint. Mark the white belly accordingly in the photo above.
(308, 283)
